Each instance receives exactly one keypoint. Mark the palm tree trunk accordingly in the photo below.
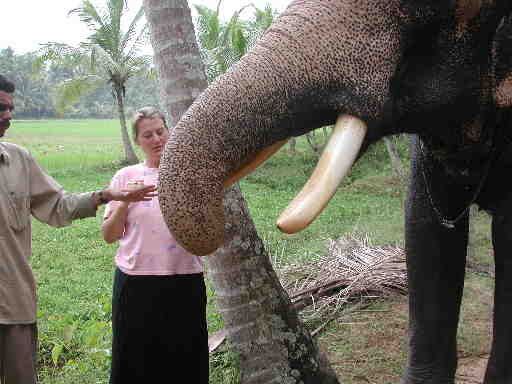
(396, 163)
(181, 71)
(260, 322)
(130, 156)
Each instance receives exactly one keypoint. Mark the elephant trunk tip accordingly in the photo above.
(199, 249)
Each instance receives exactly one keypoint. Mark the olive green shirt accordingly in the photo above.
(27, 190)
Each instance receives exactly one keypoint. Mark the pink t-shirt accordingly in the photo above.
(147, 247)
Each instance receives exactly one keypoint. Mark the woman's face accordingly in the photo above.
(152, 136)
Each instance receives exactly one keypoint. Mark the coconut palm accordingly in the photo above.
(109, 55)
(222, 44)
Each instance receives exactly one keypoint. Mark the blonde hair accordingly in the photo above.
(146, 113)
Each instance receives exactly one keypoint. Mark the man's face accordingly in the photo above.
(6, 108)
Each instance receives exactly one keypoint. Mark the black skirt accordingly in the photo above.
(159, 329)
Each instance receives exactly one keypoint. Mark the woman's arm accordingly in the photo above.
(114, 224)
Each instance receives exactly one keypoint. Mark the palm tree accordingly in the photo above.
(260, 322)
(108, 55)
(222, 44)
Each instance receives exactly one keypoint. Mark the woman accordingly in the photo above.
(159, 296)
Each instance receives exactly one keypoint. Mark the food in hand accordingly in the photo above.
(134, 184)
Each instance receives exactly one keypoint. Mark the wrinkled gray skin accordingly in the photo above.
(437, 69)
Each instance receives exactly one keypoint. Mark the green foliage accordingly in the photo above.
(108, 53)
(33, 95)
(224, 43)
(225, 366)
(264, 17)
(37, 95)
(71, 90)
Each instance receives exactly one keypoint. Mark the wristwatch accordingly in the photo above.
(101, 198)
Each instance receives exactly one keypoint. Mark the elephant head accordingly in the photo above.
(440, 70)
(388, 66)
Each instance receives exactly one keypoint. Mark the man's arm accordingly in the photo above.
(49, 202)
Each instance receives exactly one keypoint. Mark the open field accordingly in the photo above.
(73, 265)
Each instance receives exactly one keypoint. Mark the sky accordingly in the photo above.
(27, 23)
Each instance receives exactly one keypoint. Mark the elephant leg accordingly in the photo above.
(436, 258)
(499, 368)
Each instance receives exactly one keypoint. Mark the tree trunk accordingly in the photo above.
(311, 140)
(261, 325)
(473, 212)
(181, 71)
(291, 145)
(129, 153)
(396, 163)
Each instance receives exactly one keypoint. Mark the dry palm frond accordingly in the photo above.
(351, 271)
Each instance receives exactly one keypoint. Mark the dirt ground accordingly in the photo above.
(371, 348)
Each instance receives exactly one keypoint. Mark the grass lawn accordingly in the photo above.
(74, 267)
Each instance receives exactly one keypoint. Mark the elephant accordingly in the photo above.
(440, 71)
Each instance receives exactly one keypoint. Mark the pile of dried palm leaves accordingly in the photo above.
(352, 272)
(351, 275)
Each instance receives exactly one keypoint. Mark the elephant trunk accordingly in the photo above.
(301, 75)
(212, 141)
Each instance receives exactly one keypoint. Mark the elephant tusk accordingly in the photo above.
(253, 163)
(335, 162)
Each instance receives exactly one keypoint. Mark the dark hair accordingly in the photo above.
(146, 113)
(6, 85)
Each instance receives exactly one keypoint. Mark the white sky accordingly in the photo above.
(27, 23)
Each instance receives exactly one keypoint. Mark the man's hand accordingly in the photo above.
(130, 195)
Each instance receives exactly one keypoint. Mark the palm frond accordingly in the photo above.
(89, 15)
(223, 44)
(59, 53)
(105, 37)
(99, 58)
(351, 271)
(129, 35)
(116, 10)
(138, 43)
(99, 22)
(138, 65)
(239, 41)
(264, 18)
(70, 91)
(209, 27)
(226, 30)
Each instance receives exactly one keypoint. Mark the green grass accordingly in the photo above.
(74, 267)
(63, 146)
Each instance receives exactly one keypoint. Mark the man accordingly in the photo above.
(25, 190)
